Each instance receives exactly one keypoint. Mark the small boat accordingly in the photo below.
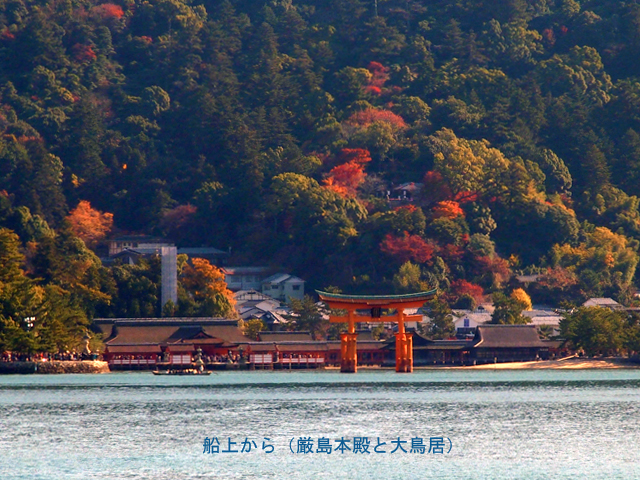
(190, 371)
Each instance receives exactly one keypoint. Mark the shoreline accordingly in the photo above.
(570, 363)
(561, 364)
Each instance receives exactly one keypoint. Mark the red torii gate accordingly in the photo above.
(375, 304)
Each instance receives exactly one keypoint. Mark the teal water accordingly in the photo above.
(502, 424)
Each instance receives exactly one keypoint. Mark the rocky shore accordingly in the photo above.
(84, 366)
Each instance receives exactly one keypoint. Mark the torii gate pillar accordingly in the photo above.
(404, 347)
(348, 347)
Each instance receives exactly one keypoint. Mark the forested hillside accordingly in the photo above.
(278, 128)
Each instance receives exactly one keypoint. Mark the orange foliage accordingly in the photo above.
(447, 209)
(346, 178)
(368, 117)
(83, 53)
(205, 280)
(464, 197)
(108, 11)
(89, 224)
(407, 248)
(409, 208)
(373, 90)
(358, 155)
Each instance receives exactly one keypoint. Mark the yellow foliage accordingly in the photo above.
(603, 251)
(521, 296)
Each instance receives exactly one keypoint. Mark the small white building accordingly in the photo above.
(467, 323)
(244, 278)
(143, 244)
(283, 286)
(544, 317)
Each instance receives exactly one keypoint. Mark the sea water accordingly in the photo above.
(543, 424)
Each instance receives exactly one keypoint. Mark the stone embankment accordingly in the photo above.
(85, 366)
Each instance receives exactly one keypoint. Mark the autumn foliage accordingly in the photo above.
(447, 209)
(368, 117)
(347, 177)
(90, 224)
(7, 35)
(357, 155)
(205, 281)
(407, 248)
(494, 269)
(379, 75)
(178, 217)
(462, 287)
(83, 53)
(108, 11)
(435, 188)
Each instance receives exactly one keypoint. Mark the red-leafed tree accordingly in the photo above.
(373, 90)
(379, 76)
(494, 271)
(555, 285)
(435, 188)
(380, 73)
(7, 35)
(464, 197)
(83, 53)
(345, 178)
(357, 155)
(368, 117)
(89, 224)
(108, 11)
(407, 248)
(462, 287)
(451, 253)
(178, 217)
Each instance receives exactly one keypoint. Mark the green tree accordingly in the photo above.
(508, 311)
(441, 325)
(253, 327)
(599, 331)
(307, 315)
(409, 279)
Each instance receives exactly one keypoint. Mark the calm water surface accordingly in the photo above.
(502, 424)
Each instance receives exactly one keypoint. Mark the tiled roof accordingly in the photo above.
(507, 336)
(153, 332)
(601, 302)
(285, 336)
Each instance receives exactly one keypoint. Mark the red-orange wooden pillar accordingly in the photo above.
(348, 347)
(404, 346)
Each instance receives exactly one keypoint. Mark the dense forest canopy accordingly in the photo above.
(281, 129)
